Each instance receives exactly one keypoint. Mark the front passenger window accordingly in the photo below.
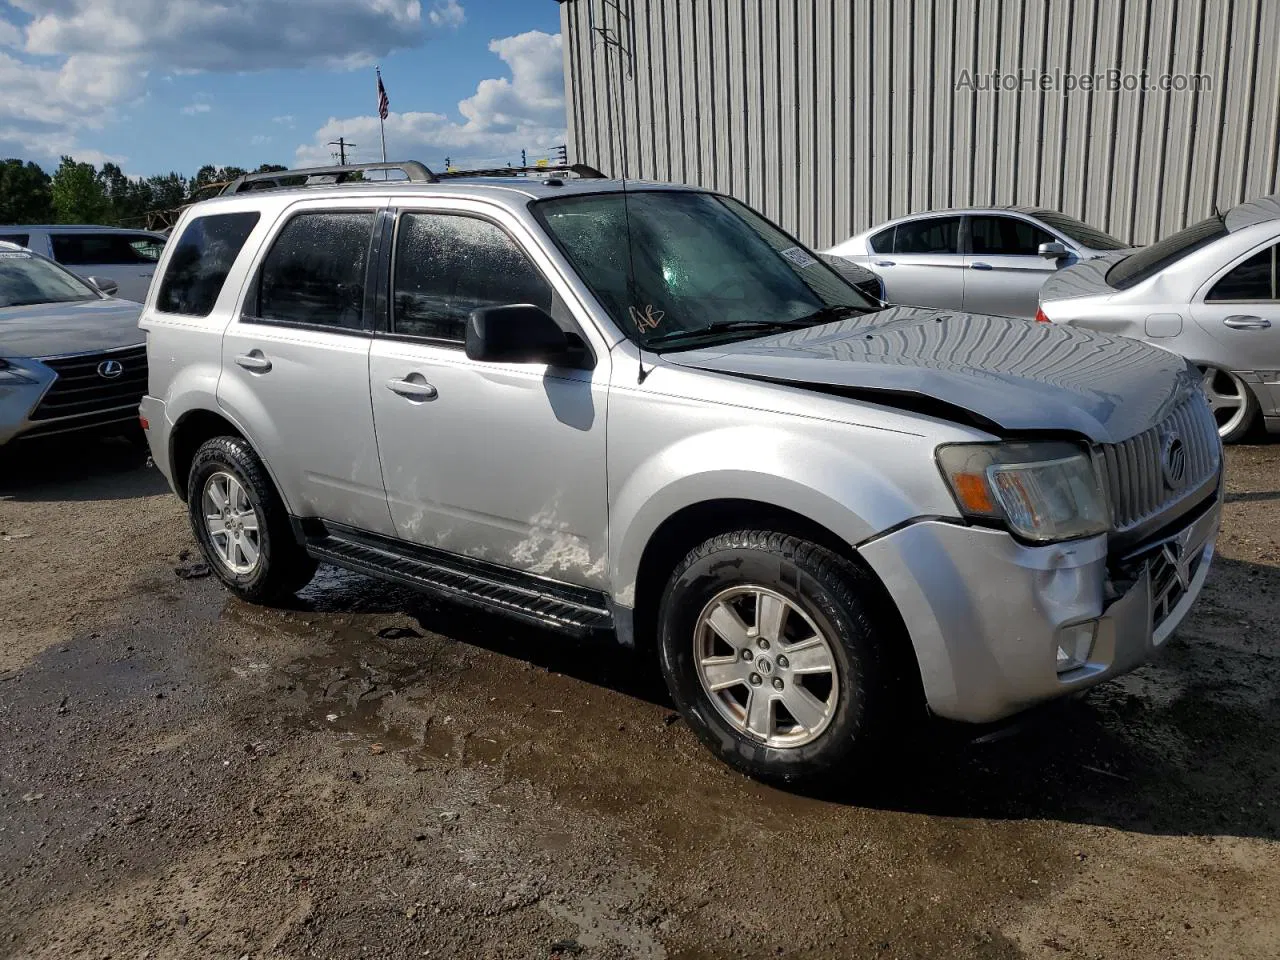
(315, 272)
(448, 265)
(1005, 237)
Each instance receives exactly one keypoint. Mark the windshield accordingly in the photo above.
(26, 279)
(675, 268)
(1149, 261)
(1080, 232)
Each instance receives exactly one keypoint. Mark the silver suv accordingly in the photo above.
(642, 409)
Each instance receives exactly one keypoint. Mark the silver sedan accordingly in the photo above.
(1210, 292)
(982, 260)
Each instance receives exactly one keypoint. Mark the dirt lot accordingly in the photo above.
(370, 775)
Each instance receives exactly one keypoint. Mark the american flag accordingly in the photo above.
(384, 105)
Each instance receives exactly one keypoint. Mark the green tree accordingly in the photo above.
(270, 168)
(168, 191)
(78, 194)
(24, 193)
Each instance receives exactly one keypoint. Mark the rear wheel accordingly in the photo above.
(1232, 402)
(242, 525)
(769, 649)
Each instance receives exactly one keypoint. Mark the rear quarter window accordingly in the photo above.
(202, 258)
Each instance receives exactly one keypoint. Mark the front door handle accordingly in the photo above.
(413, 389)
(884, 263)
(1244, 321)
(979, 266)
(254, 361)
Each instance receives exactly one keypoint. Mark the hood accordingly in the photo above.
(51, 329)
(1013, 375)
(1084, 279)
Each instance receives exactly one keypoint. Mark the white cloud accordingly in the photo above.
(447, 14)
(191, 109)
(64, 84)
(259, 139)
(286, 119)
(525, 110)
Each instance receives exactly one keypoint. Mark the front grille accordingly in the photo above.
(1134, 471)
(81, 391)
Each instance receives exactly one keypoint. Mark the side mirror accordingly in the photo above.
(516, 333)
(104, 285)
(1053, 250)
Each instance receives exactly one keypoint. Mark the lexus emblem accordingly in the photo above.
(110, 369)
(1174, 461)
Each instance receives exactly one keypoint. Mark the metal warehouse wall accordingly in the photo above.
(832, 115)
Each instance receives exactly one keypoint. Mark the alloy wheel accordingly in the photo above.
(766, 666)
(1227, 398)
(232, 523)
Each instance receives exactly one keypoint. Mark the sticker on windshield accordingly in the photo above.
(15, 255)
(646, 319)
(798, 257)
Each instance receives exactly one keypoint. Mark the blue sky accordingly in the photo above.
(160, 85)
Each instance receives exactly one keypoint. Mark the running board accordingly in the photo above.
(545, 603)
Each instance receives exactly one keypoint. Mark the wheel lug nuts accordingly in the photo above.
(755, 679)
(777, 683)
(747, 654)
(782, 662)
(762, 643)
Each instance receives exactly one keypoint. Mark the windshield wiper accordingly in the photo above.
(823, 315)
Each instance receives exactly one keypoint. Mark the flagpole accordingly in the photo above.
(382, 124)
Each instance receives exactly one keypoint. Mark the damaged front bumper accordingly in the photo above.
(987, 615)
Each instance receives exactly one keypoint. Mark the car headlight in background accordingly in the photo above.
(1044, 492)
(10, 373)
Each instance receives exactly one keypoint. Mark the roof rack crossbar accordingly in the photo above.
(581, 169)
(414, 172)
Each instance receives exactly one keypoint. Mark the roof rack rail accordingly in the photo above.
(414, 172)
(581, 169)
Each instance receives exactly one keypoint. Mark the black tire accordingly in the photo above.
(283, 567)
(836, 595)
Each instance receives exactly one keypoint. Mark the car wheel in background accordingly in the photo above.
(1232, 402)
(769, 649)
(241, 523)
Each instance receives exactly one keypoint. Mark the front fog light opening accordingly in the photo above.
(1075, 644)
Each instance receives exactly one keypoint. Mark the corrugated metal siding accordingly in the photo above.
(833, 115)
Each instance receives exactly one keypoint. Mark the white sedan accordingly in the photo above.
(1210, 292)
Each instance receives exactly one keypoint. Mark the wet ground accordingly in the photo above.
(370, 775)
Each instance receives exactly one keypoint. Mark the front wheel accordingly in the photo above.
(242, 525)
(769, 649)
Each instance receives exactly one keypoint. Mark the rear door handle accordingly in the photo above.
(1243, 321)
(884, 263)
(979, 266)
(417, 389)
(254, 361)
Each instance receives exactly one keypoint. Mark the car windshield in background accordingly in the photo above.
(1080, 232)
(1149, 261)
(676, 268)
(26, 280)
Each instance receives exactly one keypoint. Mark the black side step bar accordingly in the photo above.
(545, 603)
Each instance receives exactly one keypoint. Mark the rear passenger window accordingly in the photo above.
(21, 239)
(1255, 279)
(315, 272)
(84, 249)
(201, 261)
(935, 235)
(882, 242)
(1005, 237)
(448, 265)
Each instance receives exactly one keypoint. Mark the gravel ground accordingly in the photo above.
(370, 775)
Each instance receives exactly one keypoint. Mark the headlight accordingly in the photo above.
(1042, 491)
(9, 373)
